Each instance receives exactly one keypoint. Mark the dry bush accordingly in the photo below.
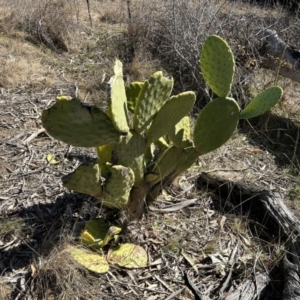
(173, 32)
(48, 22)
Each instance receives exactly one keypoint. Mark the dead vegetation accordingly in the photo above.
(212, 242)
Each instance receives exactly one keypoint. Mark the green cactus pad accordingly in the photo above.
(169, 115)
(86, 180)
(130, 152)
(217, 65)
(189, 157)
(165, 164)
(132, 93)
(180, 133)
(118, 102)
(215, 124)
(262, 102)
(117, 188)
(153, 95)
(76, 124)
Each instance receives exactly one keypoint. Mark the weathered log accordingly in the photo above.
(278, 55)
(276, 216)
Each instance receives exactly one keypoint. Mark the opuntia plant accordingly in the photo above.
(144, 140)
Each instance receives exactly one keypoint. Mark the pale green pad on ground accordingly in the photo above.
(117, 188)
(90, 260)
(166, 164)
(262, 102)
(75, 124)
(128, 256)
(86, 179)
(132, 93)
(169, 115)
(153, 95)
(215, 124)
(118, 102)
(217, 65)
(129, 152)
(180, 133)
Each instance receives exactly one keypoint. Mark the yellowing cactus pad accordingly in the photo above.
(118, 105)
(96, 234)
(128, 256)
(92, 261)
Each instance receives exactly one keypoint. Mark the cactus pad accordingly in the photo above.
(217, 65)
(86, 180)
(215, 124)
(165, 164)
(152, 96)
(117, 188)
(132, 93)
(118, 102)
(94, 233)
(79, 125)
(129, 152)
(262, 102)
(189, 157)
(104, 155)
(180, 133)
(169, 115)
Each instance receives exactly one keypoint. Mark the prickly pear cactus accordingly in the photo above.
(117, 189)
(173, 111)
(217, 65)
(144, 139)
(215, 124)
(118, 102)
(180, 134)
(80, 125)
(151, 98)
(143, 143)
(86, 180)
(262, 102)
